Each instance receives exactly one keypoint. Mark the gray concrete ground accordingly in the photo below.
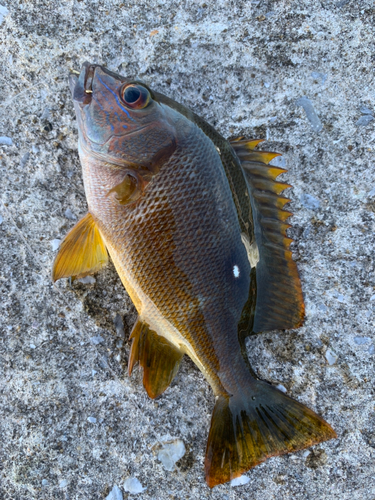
(72, 423)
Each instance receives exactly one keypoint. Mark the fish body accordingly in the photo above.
(195, 227)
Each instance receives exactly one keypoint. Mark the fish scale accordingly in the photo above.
(195, 226)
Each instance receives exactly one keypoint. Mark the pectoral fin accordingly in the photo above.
(82, 251)
(159, 359)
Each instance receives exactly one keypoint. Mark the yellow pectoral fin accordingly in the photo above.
(82, 252)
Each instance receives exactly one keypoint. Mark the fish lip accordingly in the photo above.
(80, 83)
(80, 87)
(72, 79)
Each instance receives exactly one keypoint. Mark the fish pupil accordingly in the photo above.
(132, 95)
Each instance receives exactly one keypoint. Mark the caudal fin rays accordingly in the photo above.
(247, 429)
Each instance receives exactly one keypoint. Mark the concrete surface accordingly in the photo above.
(72, 424)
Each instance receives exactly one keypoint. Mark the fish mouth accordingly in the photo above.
(80, 82)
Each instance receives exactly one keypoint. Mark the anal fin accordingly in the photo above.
(279, 302)
(159, 359)
(82, 251)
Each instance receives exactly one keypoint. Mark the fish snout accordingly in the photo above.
(81, 83)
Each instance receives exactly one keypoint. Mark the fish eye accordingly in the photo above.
(135, 96)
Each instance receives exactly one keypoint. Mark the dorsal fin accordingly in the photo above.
(82, 251)
(159, 359)
(279, 303)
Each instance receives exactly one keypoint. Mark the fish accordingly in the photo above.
(196, 228)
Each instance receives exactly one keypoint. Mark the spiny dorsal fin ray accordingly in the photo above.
(82, 251)
(242, 143)
(279, 296)
(261, 156)
(159, 359)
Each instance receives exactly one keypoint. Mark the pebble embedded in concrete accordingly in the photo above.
(133, 485)
(119, 325)
(311, 115)
(365, 110)
(309, 201)
(69, 214)
(87, 280)
(240, 481)
(170, 453)
(55, 244)
(364, 120)
(5, 141)
(98, 339)
(362, 340)
(281, 388)
(115, 494)
(331, 357)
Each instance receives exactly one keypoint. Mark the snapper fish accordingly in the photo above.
(196, 228)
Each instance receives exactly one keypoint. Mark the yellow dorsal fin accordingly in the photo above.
(279, 296)
(247, 144)
(82, 251)
(260, 156)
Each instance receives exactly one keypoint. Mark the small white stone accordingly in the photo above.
(93, 372)
(87, 280)
(362, 340)
(92, 420)
(3, 12)
(281, 388)
(364, 120)
(311, 115)
(45, 482)
(331, 357)
(115, 494)
(132, 485)
(170, 453)
(6, 141)
(63, 483)
(97, 340)
(32, 346)
(239, 481)
(309, 201)
(55, 244)
(69, 214)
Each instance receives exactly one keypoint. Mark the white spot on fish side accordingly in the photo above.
(236, 271)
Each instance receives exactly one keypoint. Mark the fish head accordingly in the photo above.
(119, 118)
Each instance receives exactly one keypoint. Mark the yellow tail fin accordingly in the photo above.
(254, 425)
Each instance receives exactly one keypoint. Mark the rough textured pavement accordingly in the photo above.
(298, 73)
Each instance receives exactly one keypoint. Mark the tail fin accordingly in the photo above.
(246, 429)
